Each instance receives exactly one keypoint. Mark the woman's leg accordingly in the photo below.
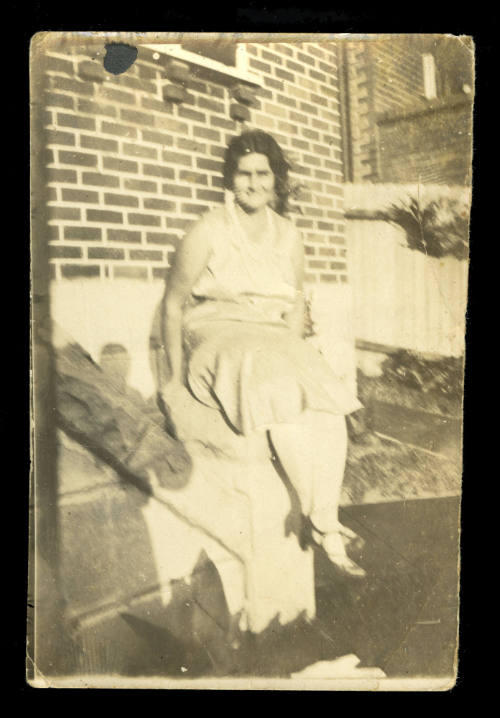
(313, 454)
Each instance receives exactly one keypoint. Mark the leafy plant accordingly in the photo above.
(443, 376)
(297, 192)
(437, 227)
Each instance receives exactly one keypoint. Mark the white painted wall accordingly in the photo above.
(96, 313)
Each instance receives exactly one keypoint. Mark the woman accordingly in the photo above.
(235, 309)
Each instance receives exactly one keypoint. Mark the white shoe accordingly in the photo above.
(333, 544)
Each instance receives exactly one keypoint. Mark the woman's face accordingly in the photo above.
(253, 182)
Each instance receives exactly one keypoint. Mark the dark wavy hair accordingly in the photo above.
(264, 144)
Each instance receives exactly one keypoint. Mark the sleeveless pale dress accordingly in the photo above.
(241, 357)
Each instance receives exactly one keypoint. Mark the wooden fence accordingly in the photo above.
(401, 298)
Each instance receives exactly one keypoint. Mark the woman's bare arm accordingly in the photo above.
(295, 318)
(190, 260)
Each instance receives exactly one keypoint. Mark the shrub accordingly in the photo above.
(442, 376)
(437, 227)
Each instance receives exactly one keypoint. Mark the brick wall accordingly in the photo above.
(359, 106)
(397, 72)
(444, 156)
(127, 172)
(385, 84)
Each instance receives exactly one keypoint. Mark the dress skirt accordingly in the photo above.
(261, 374)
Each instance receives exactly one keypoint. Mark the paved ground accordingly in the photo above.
(402, 618)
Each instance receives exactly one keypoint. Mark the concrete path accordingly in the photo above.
(401, 619)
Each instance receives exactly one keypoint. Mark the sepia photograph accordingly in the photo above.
(249, 281)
